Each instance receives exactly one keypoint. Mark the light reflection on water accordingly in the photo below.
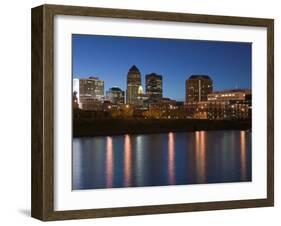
(127, 161)
(200, 156)
(171, 159)
(161, 159)
(243, 155)
(109, 162)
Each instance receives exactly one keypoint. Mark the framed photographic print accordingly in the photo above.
(141, 112)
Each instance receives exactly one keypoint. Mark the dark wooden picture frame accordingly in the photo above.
(43, 120)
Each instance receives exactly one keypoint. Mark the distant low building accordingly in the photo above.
(91, 105)
(232, 94)
(166, 109)
(115, 95)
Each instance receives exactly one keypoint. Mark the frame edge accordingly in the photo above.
(37, 187)
(270, 112)
(42, 197)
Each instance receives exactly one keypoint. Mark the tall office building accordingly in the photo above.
(133, 85)
(154, 86)
(115, 95)
(91, 88)
(197, 88)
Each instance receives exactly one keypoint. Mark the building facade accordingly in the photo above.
(234, 94)
(115, 95)
(133, 85)
(91, 93)
(154, 87)
(197, 88)
(228, 104)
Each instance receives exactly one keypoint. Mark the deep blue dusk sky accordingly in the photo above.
(110, 57)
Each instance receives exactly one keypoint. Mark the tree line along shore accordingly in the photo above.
(87, 127)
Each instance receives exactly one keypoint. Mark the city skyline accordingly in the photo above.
(228, 56)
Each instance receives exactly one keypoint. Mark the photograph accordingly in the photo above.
(158, 112)
(138, 112)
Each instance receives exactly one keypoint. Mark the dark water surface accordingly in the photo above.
(161, 159)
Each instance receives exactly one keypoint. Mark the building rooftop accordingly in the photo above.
(199, 76)
(234, 91)
(115, 88)
(153, 75)
(134, 68)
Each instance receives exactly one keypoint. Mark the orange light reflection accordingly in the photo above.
(171, 158)
(127, 161)
(200, 150)
(109, 162)
(243, 155)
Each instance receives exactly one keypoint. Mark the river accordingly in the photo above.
(161, 159)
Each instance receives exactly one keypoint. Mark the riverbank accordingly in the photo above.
(105, 127)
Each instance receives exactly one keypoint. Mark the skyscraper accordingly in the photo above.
(197, 88)
(115, 95)
(153, 86)
(133, 85)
